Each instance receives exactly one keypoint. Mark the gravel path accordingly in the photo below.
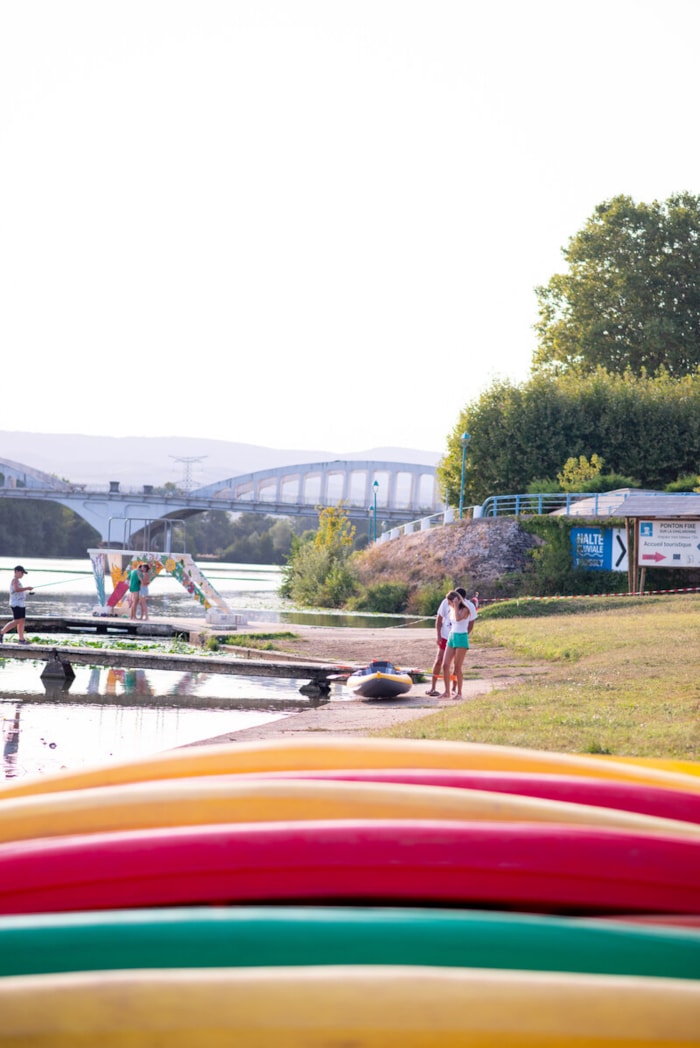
(345, 713)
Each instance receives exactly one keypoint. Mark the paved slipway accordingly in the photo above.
(486, 669)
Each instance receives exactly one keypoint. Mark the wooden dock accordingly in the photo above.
(103, 625)
(59, 659)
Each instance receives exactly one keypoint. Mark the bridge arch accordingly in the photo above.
(404, 491)
(400, 485)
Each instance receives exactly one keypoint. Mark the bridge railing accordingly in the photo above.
(573, 504)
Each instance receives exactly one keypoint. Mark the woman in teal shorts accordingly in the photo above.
(457, 642)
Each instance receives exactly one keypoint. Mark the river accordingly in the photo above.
(107, 714)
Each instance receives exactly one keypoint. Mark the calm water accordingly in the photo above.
(109, 714)
(68, 587)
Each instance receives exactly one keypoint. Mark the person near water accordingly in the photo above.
(443, 626)
(461, 613)
(442, 629)
(18, 601)
(134, 591)
(145, 579)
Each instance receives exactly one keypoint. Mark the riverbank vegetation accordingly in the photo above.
(614, 677)
(33, 528)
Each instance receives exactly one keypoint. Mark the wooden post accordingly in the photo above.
(631, 564)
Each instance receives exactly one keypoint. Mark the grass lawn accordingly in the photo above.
(622, 677)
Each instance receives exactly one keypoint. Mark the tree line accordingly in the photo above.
(616, 372)
(37, 528)
(645, 430)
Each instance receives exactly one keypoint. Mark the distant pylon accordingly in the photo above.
(188, 462)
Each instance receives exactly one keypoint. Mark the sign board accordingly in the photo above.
(599, 549)
(669, 544)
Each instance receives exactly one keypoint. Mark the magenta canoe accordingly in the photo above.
(547, 868)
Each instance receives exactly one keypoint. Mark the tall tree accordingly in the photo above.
(642, 427)
(631, 296)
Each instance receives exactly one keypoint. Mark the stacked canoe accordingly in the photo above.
(352, 892)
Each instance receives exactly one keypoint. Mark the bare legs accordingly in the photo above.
(17, 624)
(436, 671)
(456, 656)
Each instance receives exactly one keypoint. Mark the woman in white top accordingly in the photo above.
(461, 613)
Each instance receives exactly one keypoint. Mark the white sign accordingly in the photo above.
(669, 544)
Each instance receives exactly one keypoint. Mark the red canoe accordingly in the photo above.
(549, 868)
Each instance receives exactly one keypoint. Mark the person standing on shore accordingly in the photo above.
(461, 614)
(442, 629)
(145, 579)
(18, 603)
(443, 626)
(135, 591)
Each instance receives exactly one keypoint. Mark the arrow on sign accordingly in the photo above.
(653, 556)
(623, 551)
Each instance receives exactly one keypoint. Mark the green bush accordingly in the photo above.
(607, 482)
(425, 601)
(336, 588)
(543, 486)
(689, 482)
(389, 598)
(318, 572)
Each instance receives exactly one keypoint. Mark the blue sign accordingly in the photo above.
(599, 549)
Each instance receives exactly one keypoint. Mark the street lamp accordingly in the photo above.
(374, 507)
(464, 440)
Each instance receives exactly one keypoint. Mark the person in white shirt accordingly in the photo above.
(462, 612)
(443, 626)
(18, 603)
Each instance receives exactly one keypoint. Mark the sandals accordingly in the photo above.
(432, 694)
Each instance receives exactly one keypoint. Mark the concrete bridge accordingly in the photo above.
(400, 491)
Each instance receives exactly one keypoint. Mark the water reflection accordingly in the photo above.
(48, 723)
(117, 713)
(11, 742)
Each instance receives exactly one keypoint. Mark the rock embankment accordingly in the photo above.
(479, 554)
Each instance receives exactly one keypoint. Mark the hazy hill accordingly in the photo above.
(156, 460)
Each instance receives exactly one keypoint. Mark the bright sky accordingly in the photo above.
(310, 223)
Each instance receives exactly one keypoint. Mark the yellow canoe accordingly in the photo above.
(363, 1006)
(342, 752)
(679, 766)
(206, 800)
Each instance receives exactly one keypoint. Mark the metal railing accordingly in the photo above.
(435, 520)
(572, 504)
